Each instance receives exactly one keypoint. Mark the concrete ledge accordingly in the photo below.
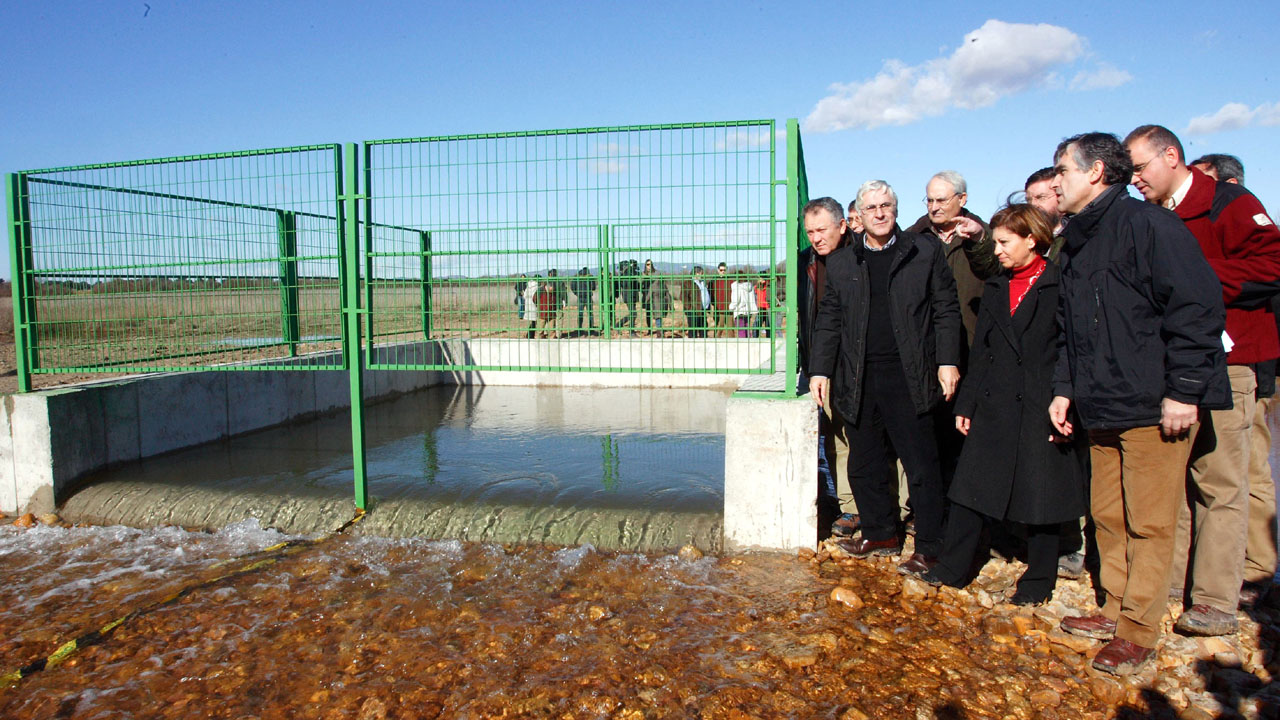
(770, 474)
(50, 439)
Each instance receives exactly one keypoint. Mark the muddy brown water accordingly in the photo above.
(367, 627)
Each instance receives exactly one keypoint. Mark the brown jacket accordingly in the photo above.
(971, 268)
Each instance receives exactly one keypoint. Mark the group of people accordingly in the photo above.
(1084, 356)
(728, 304)
(540, 301)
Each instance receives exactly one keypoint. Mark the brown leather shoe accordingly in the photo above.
(1121, 657)
(862, 547)
(1206, 620)
(917, 564)
(1098, 627)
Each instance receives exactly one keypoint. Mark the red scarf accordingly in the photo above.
(1021, 279)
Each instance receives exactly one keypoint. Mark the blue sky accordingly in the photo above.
(895, 92)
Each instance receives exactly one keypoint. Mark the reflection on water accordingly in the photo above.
(611, 466)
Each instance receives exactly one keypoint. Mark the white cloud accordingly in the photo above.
(994, 61)
(1102, 77)
(606, 167)
(745, 139)
(1233, 116)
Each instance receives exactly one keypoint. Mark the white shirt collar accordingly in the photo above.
(1180, 194)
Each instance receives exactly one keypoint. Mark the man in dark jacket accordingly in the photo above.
(1142, 315)
(1242, 246)
(886, 343)
(827, 232)
(965, 239)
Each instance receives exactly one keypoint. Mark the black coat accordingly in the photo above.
(924, 313)
(1142, 314)
(1009, 470)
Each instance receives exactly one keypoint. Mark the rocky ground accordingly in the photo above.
(1196, 678)
(372, 628)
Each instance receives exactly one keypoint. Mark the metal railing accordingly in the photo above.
(531, 246)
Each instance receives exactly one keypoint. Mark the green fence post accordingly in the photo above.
(287, 231)
(425, 238)
(797, 195)
(349, 229)
(20, 266)
(606, 283)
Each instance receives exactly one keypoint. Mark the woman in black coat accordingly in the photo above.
(1014, 467)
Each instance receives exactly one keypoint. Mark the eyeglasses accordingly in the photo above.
(930, 202)
(872, 209)
(1137, 169)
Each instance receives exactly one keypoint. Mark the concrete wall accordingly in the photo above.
(50, 439)
(770, 474)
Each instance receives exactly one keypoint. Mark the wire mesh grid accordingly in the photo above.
(575, 235)
(221, 261)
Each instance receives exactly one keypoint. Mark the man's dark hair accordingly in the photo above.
(1038, 176)
(1159, 136)
(829, 204)
(1088, 148)
(1228, 167)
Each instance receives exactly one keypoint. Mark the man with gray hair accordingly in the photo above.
(1142, 318)
(886, 343)
(965, 239)
(1221, 167)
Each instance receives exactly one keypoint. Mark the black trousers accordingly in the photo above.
(697, 322)
(964, 532)
(888, 425)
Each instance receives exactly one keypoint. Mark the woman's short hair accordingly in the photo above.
(1025, 220)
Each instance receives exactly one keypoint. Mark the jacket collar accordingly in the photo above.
(1026, 310)
(1199, 198)
(1084, 224)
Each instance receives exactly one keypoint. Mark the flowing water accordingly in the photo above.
(367, 627)
(622, 468)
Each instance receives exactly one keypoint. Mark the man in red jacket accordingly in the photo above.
(1242, 245)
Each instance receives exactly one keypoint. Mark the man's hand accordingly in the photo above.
(962, 424)
(948, 377)
(1058, 416)
(818, 389)
(1176, 417)
(967, 228)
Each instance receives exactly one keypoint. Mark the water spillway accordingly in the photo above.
(624, 468)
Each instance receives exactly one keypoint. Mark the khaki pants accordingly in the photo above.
(1213, 523)
(1138, 483)
(1260, 548)
(837, 450)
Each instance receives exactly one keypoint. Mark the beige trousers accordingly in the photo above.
(1139, 477)
(1209, 547)
(1260, 548)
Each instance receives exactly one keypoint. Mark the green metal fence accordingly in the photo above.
(562, 250)
(205, 262)
(588, 234)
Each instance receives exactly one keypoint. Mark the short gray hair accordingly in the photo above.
(1228, 167)
(829, 204)
(952, 178)
(871, 186)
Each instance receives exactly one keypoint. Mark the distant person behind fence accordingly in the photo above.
(742, 302)
(583, 285)
(628, 289)
(697, 304)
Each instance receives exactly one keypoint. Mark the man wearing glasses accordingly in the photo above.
(888, 330)
(965, 240)
(1242, 246)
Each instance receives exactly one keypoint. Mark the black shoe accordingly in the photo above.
(1027, 599)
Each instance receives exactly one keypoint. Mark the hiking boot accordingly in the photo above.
(1121, 657)
(1071, 566)
(1098, 627)
(846, 525)
(1205, 620)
